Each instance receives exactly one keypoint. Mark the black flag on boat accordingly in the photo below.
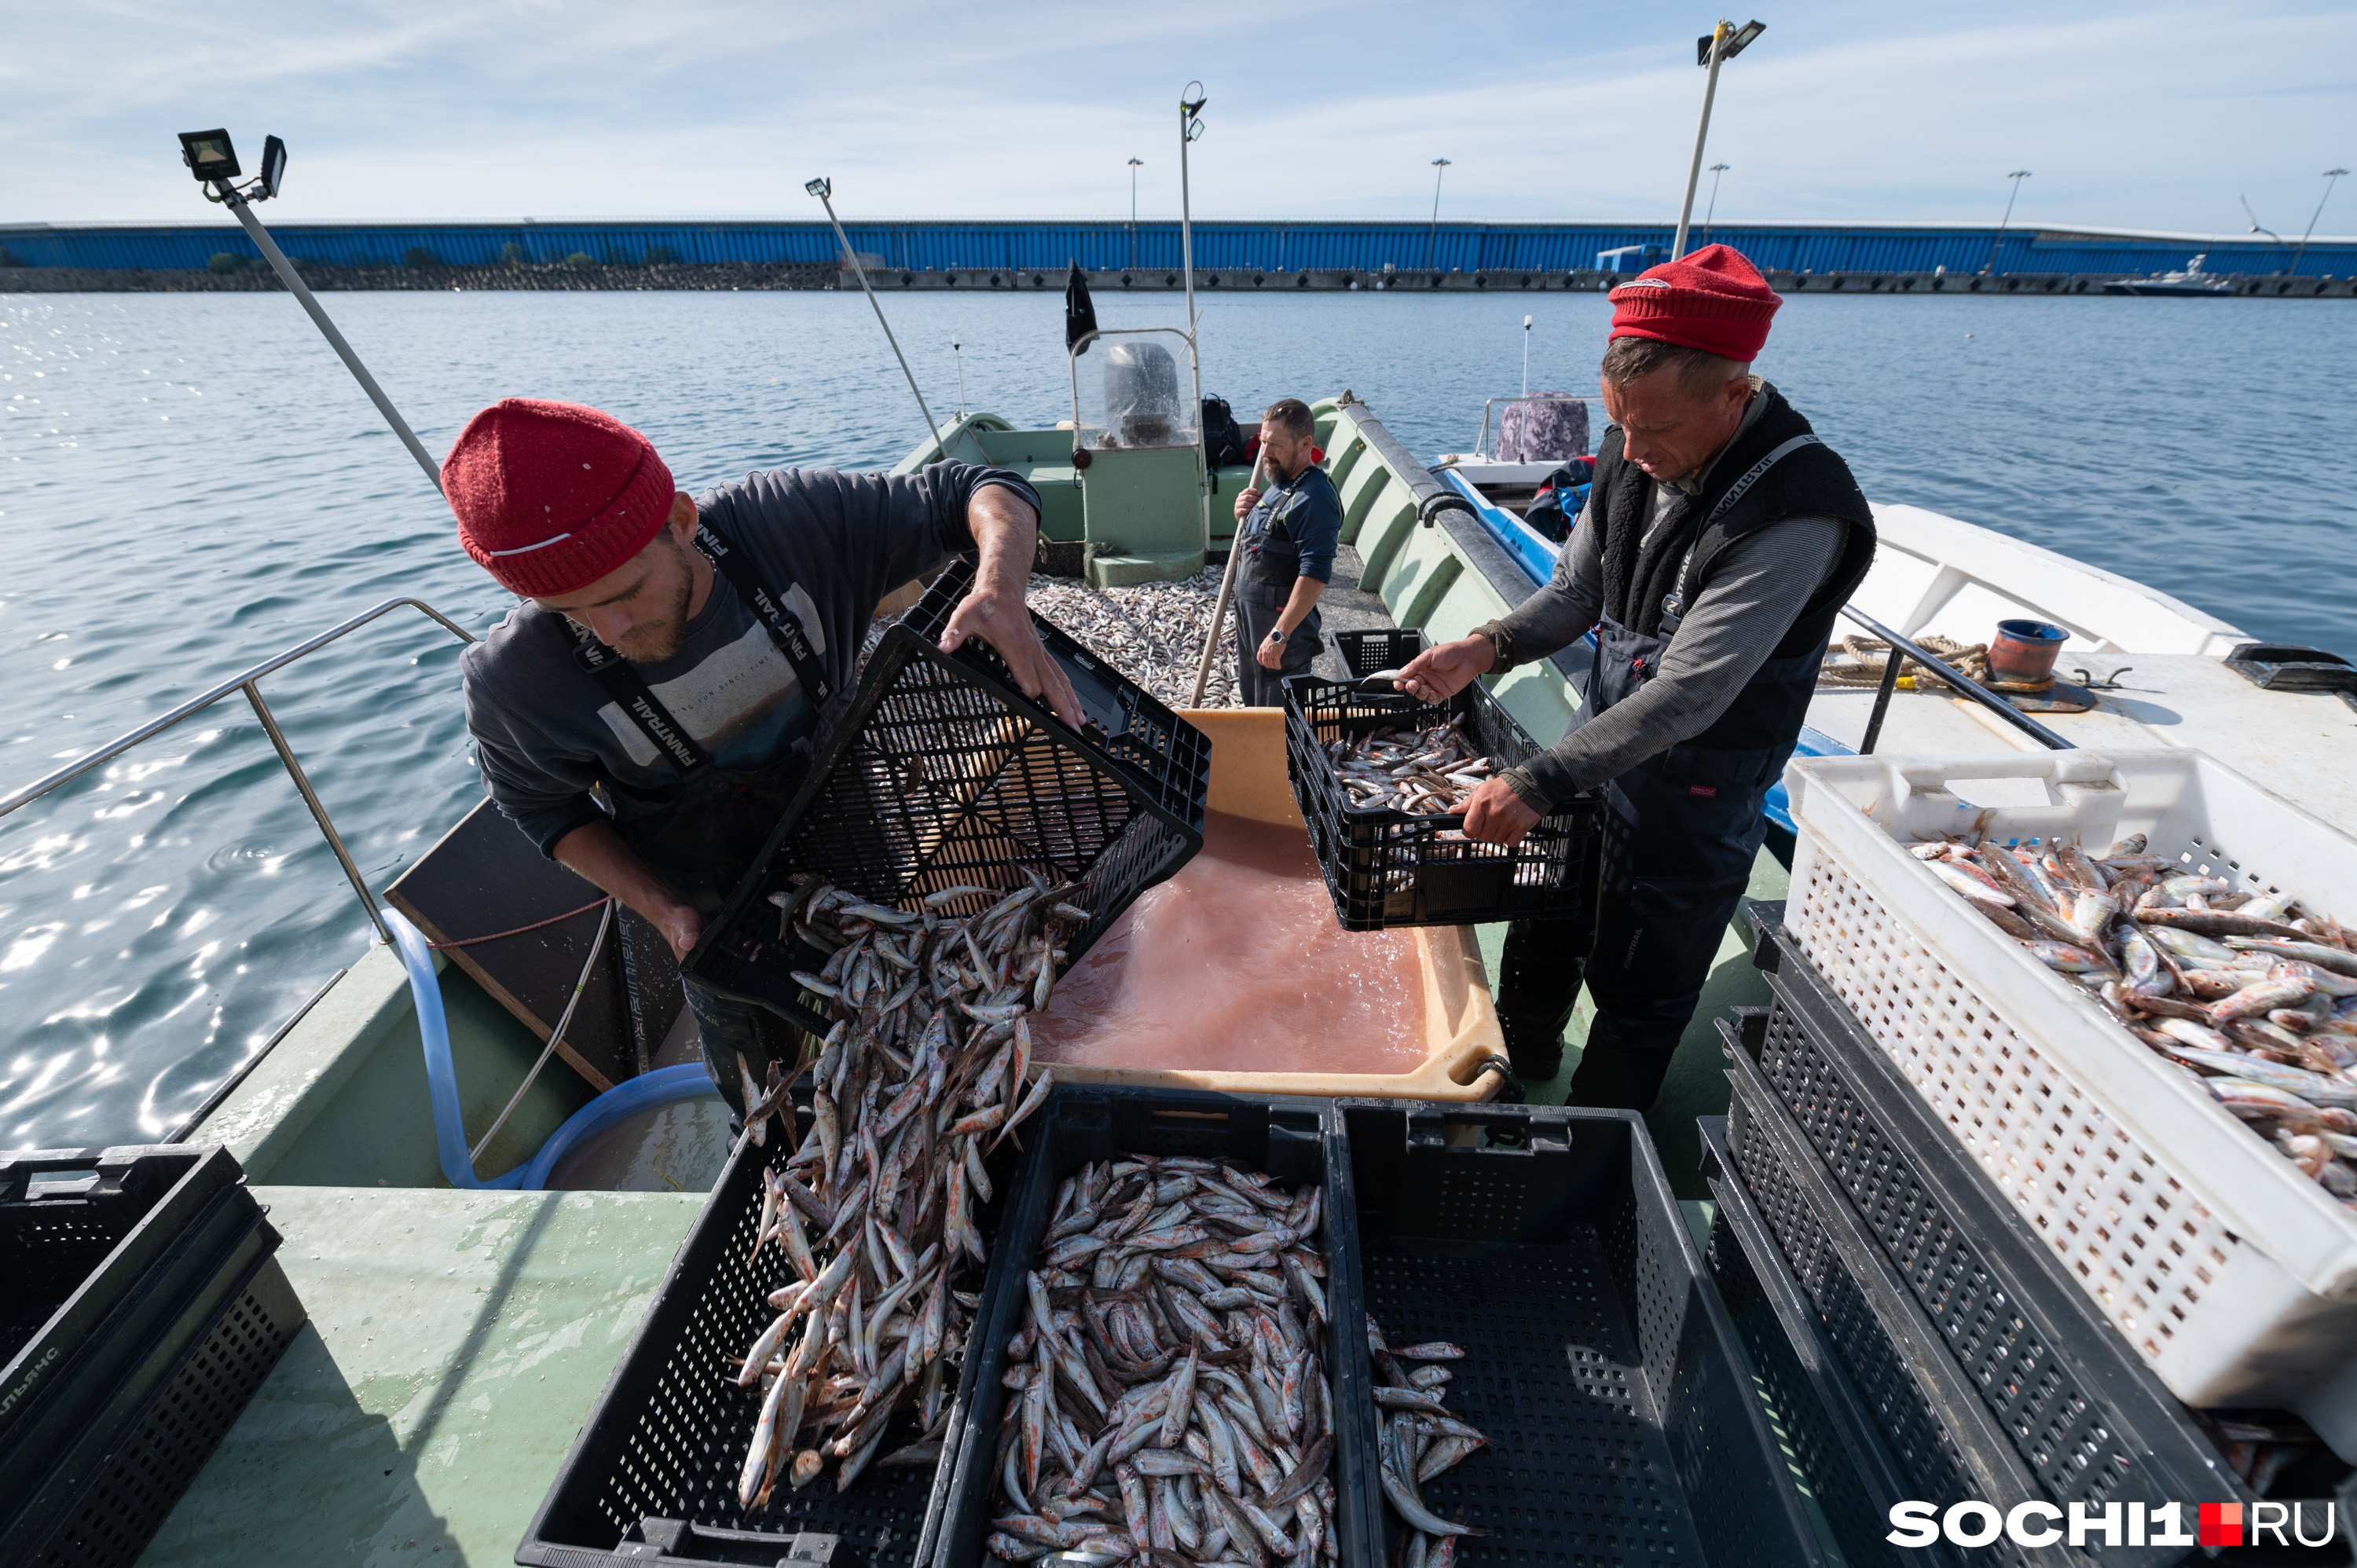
(1079, 310)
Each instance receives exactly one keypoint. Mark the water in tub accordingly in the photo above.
(1237, 965)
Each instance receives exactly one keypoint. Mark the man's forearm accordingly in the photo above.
(1005, 535)
(1298, 606)
(596, 853)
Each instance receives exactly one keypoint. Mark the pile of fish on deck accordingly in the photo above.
(875, 1208)
(1426, 772)
(1172, 1346)
(2255, 992)
(1151, 632)
(1418, 1439)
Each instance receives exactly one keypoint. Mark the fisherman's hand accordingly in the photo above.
(1439, 673)
(681, 926)
(1495, 814)
(1269, 655)
(1245, 500)
(1001, 621)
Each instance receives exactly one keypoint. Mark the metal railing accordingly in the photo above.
(1901, 651)
(248, 682)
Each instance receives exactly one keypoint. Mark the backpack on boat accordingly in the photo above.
(1224, 439)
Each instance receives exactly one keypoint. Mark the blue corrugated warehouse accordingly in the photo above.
(943, 244)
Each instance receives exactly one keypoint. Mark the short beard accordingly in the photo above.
(653, 642)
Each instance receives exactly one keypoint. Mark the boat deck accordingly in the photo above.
(456, 1342)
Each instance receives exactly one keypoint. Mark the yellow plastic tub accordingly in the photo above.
(1248, 779)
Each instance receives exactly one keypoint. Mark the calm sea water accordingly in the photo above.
(190, 482)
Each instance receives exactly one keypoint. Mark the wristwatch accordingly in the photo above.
(1277, 635)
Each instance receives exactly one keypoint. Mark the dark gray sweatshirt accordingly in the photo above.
(1745, 607)
(830, 544)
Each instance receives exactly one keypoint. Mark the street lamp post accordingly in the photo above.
(1711, 211)
(1432, 235)
(1135, 164)
(1997, 239)
(2330, 175)
(1723, 43)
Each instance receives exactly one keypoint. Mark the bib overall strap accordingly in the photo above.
(784, 627)
(628, 689)
(1674, 609)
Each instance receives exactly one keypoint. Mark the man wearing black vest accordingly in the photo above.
(1719, 542)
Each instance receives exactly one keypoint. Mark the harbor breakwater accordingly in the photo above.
(724, 276)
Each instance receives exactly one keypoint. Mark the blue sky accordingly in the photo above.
(2157, 117)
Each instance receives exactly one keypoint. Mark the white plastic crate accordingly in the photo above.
(2232, 1274)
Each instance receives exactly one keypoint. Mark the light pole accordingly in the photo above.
(1432, 235)
(1997, 239)
(2330, 175)
(1724, 42)
(1711, 211)
(1135, 165)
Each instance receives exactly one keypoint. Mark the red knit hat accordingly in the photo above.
(1712, 300)
(552, 496)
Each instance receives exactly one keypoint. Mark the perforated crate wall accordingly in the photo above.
(1912, 1429)
(668, 1436)
(122, 1509)
(2142, 1247)
(1833, 1469)
(2040, 1372)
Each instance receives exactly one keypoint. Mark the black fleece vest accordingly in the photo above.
(1641, 574)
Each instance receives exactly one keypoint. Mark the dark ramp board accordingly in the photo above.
(485, 876)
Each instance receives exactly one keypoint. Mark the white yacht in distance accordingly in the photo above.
(2192, 283)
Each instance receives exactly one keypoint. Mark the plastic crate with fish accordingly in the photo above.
(685, 1454)
(143, 1308)
(1542, 1246)
(1152, 1315)
(2231, 1271)
(1385, 867)
(943, 775)
(2083, 1407)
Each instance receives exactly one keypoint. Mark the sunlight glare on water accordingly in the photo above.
(189, 483)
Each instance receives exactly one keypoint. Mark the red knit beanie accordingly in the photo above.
(1712, 300)
(552, 496)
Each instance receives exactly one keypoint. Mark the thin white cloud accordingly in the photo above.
(1843, 112)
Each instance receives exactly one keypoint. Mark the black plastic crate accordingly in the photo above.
(653, 1471)
(1292, 1140)
(1546, 1242)
(1386, 867)
(1832, 1435)
(2081, 1408)
(943, 774)
(1367, 651)
(1933, 1421)
(101, 1454)
(79, 1231)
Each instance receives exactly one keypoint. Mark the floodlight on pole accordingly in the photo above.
(213, 158)
(1135, 165)
(2330, 176)
(1432, 235)
(1997, 239)
(824, 188)
(1721, 43)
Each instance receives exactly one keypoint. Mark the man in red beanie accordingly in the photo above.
(648, 712)
(1719, 541)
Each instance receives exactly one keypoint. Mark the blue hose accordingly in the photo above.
(644, 1092)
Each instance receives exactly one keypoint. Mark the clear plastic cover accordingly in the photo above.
(1143, 401)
